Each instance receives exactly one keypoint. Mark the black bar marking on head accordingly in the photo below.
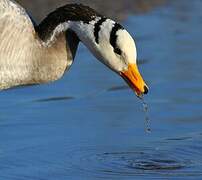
(97, 28)
(113, 35)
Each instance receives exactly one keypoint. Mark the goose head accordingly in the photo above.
(126, 53)
(116, 49)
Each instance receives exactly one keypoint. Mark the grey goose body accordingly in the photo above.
(23, 57)
(35, 54)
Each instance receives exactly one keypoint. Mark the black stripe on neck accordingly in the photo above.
(69, 12)
(113, 35)
(97, 28)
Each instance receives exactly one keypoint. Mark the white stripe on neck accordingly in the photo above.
(83, 31)
(59, 29)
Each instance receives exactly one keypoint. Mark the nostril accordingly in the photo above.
(146, 90)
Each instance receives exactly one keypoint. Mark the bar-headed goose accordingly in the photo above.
(34, 54)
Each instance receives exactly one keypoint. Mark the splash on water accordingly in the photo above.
(115, 163)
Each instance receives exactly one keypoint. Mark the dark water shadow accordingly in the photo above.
(157, 164)
(142, 61)
(52, 99)
(179, 138)
(118, 88)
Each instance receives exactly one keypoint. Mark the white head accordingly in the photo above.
(118, 51)
(114, 47)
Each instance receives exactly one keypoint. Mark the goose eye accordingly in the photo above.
(118, 51)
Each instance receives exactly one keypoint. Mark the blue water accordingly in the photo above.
(90, 126)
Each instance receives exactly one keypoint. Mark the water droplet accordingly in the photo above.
(146, 112)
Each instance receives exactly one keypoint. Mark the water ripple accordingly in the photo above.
(139, 162)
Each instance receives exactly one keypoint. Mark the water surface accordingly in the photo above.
(89, 125)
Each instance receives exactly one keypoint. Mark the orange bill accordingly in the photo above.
(134, 79)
